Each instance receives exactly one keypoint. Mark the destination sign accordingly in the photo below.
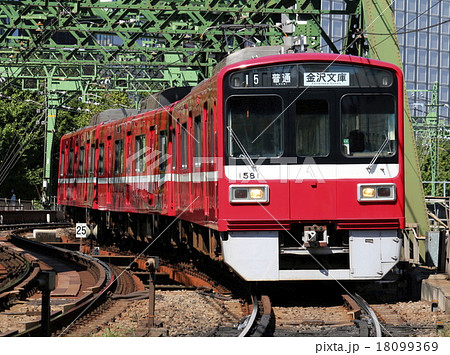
(310, 75)
(326, 79)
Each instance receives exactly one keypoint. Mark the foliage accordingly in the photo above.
(20, 132)
(443, 167)
(22, 136)
(445, 331)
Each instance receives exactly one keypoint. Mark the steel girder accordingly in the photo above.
(163, 43)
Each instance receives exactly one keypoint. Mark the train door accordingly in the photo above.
(179, 162)
(140, 167)
(173, 137)
(183, 176)
(196, 183)
(108, 171)
(205, 165)
(75, 171)
(81, 174)
(153, 181)
(63, 173)
(162, 168)
(93, 183)
(312, 183)
(128, 166)
(102, 177)
(212, 175)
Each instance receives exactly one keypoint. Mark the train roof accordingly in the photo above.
(256, 52)
(112, 114)
(150, 103)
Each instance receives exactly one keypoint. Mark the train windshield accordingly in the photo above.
(255, 126)
(368, 126)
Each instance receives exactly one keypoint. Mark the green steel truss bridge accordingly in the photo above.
(72, 48)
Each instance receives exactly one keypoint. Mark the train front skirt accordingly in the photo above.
(257, 256)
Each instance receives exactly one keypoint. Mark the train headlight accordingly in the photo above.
(249, 194)
(377, 192)
(368, 192)
(256, 194)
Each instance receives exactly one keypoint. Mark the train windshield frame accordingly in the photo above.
(320, 105)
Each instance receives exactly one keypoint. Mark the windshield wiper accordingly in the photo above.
(242, 148)
(374, 159)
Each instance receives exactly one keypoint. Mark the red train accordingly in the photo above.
(283, 166)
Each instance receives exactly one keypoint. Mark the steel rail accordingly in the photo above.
(376, 326)
(250, 321)
(89, 301)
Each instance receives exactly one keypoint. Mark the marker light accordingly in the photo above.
(249, 194)
(377, 192)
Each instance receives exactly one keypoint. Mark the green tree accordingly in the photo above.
(22, 136)
(21, 131)
(443, 166)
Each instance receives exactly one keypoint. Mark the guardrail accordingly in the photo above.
(8, 204)
(441, 186)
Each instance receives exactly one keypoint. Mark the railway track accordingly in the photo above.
(93, 293)
(258, 316)
(78, 321)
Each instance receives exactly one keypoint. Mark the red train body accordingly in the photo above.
(286, 167)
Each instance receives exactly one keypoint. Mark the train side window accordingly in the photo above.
(140, 153)
(211, 136)
(92, 160)
(312, 128)
(61, 164)
(197, 141)
(184, 146)
(70, 167)
(174, 149)
(118, 156)
(101, 159)
(81, 162)
(163, 149)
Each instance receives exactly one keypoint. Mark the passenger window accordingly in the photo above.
(211, 136)
(70, 167)
(92, 160)
(197, 141)
(163, 148)
(81, 162)
(118, 156)
(174, 149)
(140, 153)
(184, 146)
(101, 159)
(61, 164)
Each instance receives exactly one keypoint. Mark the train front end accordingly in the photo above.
(313, 185)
